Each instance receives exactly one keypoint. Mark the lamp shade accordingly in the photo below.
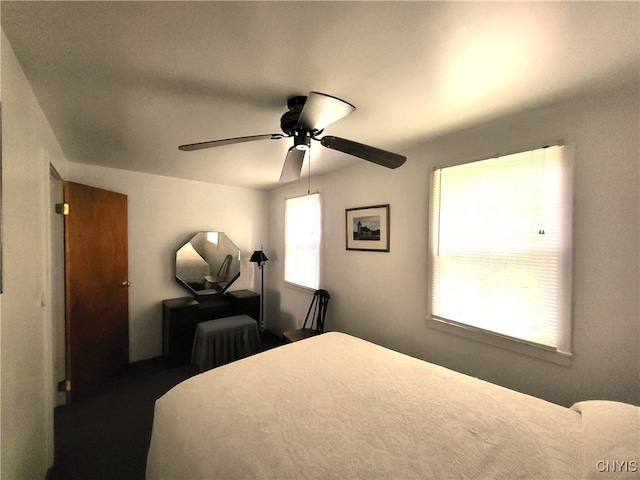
(258, 257)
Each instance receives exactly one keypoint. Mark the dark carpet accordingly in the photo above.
(107, 436)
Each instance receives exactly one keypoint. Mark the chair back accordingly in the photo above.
(317, 311)
(223, 272)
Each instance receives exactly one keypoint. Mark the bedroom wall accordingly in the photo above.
(27, 396)
(382, 296)
(163, 214)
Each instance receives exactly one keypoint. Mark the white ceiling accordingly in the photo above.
(124, 83)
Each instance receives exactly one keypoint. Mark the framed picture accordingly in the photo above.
(368, 228)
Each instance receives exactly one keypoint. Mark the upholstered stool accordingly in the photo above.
(224, 340)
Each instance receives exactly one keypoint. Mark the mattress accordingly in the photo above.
(335, 406)
(190, 266)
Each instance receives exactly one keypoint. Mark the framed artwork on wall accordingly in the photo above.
(367, 228)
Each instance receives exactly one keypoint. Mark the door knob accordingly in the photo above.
(126, 284)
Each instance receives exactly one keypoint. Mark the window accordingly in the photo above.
(501, 248)
(302, 241)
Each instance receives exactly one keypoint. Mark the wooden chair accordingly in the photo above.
(223, 273)
(315, 316)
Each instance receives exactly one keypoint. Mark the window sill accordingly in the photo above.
(500, 341)
(297, 286)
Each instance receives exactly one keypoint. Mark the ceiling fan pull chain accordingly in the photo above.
(309, 176)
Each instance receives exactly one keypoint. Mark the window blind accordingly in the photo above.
(500, 245)
(302, 241)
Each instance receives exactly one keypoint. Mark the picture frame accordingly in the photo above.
(367, 228)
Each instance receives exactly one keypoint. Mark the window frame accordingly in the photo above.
(561, 356)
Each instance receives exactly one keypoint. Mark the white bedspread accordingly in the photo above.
(611, 438)
(335, 406)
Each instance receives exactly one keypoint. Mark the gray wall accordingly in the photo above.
(163, 213)
(26, 353)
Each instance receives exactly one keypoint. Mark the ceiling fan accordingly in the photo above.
(305, 121)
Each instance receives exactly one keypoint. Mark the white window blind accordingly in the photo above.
(501, 247)
(302, 241)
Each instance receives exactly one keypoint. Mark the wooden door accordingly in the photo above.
(96, 280)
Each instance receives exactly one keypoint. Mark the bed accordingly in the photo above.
(335, 406)
(191, 268)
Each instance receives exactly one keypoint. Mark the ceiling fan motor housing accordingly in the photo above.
(289, 121)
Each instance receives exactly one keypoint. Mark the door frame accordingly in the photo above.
(57, 286)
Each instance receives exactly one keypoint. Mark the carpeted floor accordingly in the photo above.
(107, 436)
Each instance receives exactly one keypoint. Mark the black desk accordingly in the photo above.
(181, 316)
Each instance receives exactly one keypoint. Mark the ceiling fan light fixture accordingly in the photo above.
(302, 140)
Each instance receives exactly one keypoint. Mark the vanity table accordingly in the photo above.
(181, 316)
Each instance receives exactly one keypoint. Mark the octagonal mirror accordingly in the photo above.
(207, 264)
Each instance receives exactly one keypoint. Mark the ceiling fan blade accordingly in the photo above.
(292, 165)
(371, 154)
(320, 110)
(228, 141)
